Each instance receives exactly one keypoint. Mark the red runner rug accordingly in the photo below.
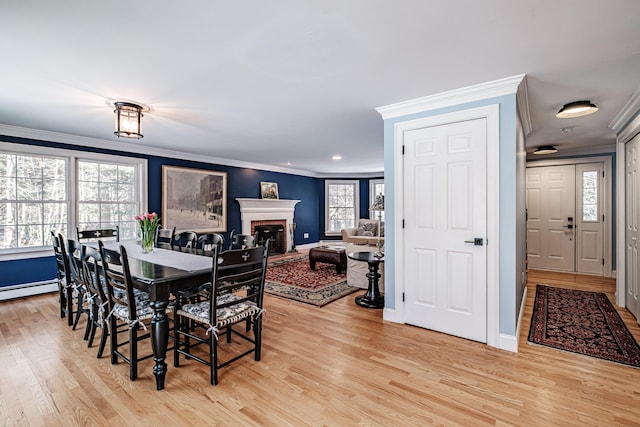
(582, 322)
(293, 279)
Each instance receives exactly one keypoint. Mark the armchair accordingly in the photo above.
(366, 233)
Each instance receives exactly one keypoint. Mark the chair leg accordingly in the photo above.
(103, 339)
(133, 353)
(228, 334)
(79, 308)
(92, 325)
(176, 344)
(114, 339)
(69, 301)
(63, 301)
(213, 350)
(257, 334)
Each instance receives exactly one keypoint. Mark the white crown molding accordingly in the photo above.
(103, 144)
(506, 86)
(627, 113)
(522, 98)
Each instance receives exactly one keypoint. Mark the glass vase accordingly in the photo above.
(147, 239)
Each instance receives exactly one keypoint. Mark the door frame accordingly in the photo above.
(492, 115)
(607, 208)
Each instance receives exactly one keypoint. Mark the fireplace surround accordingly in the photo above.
(267, 212)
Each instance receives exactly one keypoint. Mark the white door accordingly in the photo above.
(589, 219)
(445, 210)
(550, 217)
(632, 299)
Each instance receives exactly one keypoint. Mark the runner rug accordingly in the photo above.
(293, 279)
(582, 322)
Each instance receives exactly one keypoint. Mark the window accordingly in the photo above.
(376, 187)
(37, 195)
(107, 197)
(33, 200)
(590, 196)
(341, 205)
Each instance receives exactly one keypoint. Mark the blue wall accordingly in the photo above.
(241, 182)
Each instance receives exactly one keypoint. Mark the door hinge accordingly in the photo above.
(602, 218)
(403, 297)
(603, 174)
(403, 150)
(602, 261)
(403, 223)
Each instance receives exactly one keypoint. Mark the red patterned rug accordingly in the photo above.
(293, 279)
(582, 322)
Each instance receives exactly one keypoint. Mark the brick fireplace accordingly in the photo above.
(268, 212)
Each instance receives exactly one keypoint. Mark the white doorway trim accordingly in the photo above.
(608, 190)
(492, 115)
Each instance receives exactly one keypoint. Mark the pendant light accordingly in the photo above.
(546, 149)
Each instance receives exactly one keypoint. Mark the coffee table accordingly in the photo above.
(328, 254)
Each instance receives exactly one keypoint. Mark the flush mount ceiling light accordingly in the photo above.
(128, 117)
(576, 109)
(546, 149)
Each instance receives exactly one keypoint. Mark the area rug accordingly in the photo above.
(293, 279)
(582, 322)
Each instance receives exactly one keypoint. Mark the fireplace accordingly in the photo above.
(272, 212)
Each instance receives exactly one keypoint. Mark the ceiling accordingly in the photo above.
(288, 84)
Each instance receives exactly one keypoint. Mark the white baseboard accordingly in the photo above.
(28, 289)
(389, 314)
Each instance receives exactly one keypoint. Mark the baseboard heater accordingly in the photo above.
(28, 289)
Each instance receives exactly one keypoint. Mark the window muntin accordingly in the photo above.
(590, 196)
(33, 200)
(341, 205)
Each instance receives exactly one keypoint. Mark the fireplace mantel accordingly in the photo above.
(266, 209)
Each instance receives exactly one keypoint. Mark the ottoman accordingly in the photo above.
(335, 255)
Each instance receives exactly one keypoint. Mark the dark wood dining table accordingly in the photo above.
(162, 273)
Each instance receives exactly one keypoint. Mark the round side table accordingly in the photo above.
(372, 298)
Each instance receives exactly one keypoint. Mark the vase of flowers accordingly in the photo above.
(148, 223)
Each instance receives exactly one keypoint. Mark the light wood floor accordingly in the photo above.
(338, 365)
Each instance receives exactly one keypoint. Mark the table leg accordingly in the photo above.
(372, 298)
(159, 340)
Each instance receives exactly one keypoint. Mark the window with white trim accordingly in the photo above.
(107, 196)
(33, 200)
(341, 205)
(44, 190)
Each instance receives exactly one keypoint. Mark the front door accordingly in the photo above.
(445, 228)
(551, 209)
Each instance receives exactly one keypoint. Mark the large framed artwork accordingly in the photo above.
(194, 199)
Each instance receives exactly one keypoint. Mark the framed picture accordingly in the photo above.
(268, 190)
(194, 199)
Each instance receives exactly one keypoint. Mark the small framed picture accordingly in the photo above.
(268, 190)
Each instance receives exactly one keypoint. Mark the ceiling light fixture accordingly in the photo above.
(546, 149)
(576, 109)
(128, 117)
(337, 157)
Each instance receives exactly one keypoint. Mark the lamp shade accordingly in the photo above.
(128, 123)
(546, 149)
(378, 203)
(576, 109)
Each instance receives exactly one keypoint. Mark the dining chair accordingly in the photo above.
(80, 301)
(237, 291)
(206, 243)
(184, 241)
(241, 241)
(64, 278)
(98, 234)
(96, 295)
(127, 306)
(164, 237)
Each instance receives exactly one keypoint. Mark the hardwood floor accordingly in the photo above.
(336, 365)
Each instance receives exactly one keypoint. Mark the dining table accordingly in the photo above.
(162, 273)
